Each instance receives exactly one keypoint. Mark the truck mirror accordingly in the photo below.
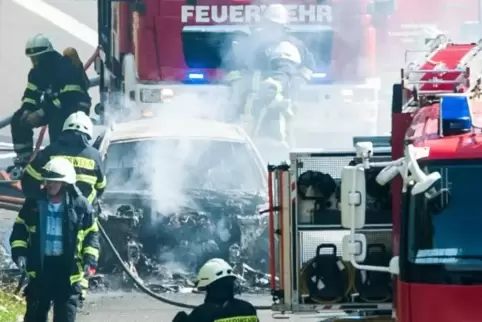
(356, 248)
(394, 266)
(423, 181)
(353, 197)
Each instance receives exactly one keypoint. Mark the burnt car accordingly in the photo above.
(183, 191)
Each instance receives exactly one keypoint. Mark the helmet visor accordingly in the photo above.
(52, 176)
(34, 51)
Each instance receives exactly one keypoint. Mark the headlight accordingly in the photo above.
(150, 95)
(155, 95)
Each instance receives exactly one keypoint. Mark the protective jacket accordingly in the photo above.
(233, 310)
(58, 81)
(87, 162)
(261, 42)
(80, 233)
(256, 76)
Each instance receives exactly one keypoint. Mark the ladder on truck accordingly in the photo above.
(446, 67)
(300, 222)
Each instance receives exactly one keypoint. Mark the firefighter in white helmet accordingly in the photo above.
(55, 240)
(275, 61)
(55, 89)
(74, 144)
(217, 278)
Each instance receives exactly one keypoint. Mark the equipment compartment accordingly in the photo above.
(305, 199)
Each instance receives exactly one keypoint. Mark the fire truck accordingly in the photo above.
(150, 49)
(392, 227)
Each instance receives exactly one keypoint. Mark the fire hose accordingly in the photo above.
(15, 204)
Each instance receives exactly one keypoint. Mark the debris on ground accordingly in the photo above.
(171, 279)
(166, 251)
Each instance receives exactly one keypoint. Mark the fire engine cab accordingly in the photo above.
(406, 206)
(151, 45)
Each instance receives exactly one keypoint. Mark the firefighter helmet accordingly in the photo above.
(59, 169)
(287, 51)
(276, 13)
(212, 271)
(37, 45)
(79, 121)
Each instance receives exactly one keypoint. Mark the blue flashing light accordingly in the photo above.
(319, 75)
(455, 114)
(195, 76)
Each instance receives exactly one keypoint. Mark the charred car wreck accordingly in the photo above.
(182, 192)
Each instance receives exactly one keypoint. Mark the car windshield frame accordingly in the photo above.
(441, 258)
(254, 174)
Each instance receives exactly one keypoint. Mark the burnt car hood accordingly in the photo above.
(201, 200)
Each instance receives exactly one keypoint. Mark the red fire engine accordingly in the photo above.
(149, 45)
(414, 214)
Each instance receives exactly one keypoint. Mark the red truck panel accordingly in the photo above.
(159, 49)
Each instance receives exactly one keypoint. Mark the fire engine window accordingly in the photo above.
(207, 49)
(213, 49)
(448, 229)
(168, 165)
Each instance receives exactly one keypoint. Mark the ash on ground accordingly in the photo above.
(171, 278)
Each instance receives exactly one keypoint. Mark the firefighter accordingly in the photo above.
(276, 62)
(55, 239)
(217, 278)
(55, 89)
(74, 145)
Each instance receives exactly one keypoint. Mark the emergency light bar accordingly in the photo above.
(455, 115)
(195, 76)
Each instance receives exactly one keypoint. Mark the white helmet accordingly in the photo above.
(79, 121)
(213, 270)
(59, 169)
(287, 51)
(37, 45)
(277, 13)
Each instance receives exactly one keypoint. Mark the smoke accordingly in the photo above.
(168, 171)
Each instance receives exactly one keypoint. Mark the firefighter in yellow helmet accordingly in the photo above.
(216, 277)
(55, 239)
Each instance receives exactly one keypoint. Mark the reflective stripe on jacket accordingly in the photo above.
(87, 162)
(80, 231)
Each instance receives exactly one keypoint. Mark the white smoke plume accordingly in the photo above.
(169, 170)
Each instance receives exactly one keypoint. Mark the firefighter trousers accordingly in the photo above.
(53, 287)
(24, 122)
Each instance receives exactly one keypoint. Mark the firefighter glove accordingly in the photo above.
(33, 118)
(270, 89)
(89, 271)
(22, 263)
(233, 76)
